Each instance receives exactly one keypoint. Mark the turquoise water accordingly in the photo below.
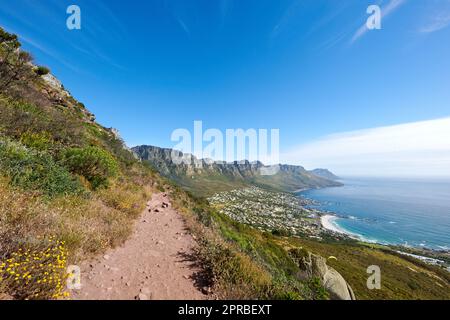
(406, 212)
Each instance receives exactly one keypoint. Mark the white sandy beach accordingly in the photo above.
(327, 222)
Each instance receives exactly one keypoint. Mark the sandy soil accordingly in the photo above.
(154, 264)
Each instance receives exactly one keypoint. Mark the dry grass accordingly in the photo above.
(86, 226)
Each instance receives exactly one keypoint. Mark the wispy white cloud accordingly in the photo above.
(411, 149)
(388, 9)
(286, 18)
(181, 12)
(50, 53)
(333, 41)
(335, 11)
(85, 43)
(184, 26)
(437, 23)
(112, 18)
(16, 16)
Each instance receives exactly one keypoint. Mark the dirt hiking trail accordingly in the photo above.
(153, 264)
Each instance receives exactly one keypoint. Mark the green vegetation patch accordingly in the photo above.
(93, 163)
(35, 170)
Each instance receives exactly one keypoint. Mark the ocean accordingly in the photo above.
(406, 212)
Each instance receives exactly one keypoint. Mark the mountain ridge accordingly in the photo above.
(200, 175)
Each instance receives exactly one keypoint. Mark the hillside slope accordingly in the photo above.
(205, 178)
(68, 185)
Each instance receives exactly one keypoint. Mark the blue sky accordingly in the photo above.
(307, 67)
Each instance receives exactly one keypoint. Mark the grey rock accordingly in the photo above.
(315, 266)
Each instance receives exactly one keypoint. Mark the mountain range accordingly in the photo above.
(204, 177)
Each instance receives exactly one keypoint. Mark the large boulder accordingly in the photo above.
(315, 266)
(336, 285)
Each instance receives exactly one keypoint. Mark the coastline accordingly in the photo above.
(327, 222)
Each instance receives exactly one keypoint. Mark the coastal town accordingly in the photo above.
(275, 212)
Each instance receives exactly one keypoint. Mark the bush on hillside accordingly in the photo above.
(93, 163)
(114, 144)
(34, 170)
(41, 70)
(318, 290)
(281, 233)
(38, 141)
(15, 65)
(9, 38)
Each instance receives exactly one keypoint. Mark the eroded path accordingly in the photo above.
(153, 264)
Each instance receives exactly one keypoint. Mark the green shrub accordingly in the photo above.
(15, 65)
(291, 295)
(41, 70)
(33, 170)
(93, 163)
(6, 37)
(318, 290)
(114, 144)
(39, 141)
